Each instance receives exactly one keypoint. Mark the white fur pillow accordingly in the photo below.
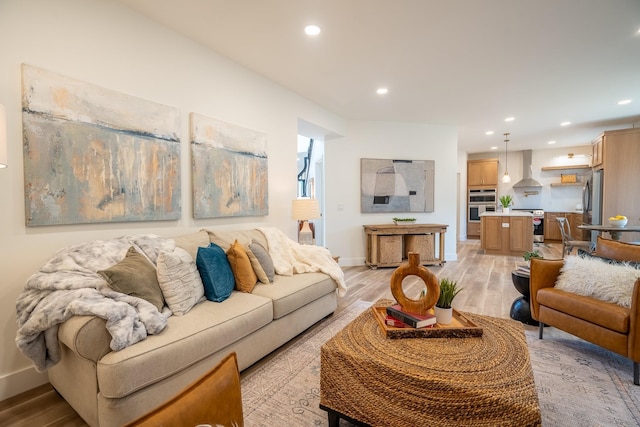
(598, 279)
(179, 280)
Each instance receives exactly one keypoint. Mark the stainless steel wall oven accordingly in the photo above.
(484, 197)
(476, 210)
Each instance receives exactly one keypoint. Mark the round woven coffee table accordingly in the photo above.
(479, 381)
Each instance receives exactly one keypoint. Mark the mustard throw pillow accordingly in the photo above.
(241, 266)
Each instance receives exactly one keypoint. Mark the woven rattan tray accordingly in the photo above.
(460, 327)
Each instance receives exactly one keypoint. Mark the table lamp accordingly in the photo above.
(304, 209)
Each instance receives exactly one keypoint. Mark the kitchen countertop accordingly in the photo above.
(511, 213)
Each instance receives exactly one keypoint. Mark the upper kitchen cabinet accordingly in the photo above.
(597, 152)
(482, 173)
(620, 195)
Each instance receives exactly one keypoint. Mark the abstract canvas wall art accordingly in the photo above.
(229, 169)
(95, 155)
(396, 185)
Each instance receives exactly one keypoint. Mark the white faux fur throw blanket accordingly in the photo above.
(68, 285)
(290, 257)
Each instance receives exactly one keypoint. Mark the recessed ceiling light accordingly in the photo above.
(312, 30)
(489, 132)
(509, 119)
(565, 123)
(382, 91)
(624, 102)
(551, 142)
(494, 148)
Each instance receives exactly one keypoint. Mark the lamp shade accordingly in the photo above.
(3, 137)
(305, 209)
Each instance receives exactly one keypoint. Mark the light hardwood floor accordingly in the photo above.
(486, 280)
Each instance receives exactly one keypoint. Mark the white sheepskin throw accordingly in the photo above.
(598, 279)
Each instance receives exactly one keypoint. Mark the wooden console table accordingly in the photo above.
(389, 244)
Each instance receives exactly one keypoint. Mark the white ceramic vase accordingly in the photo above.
(443, 315)
(505, 210)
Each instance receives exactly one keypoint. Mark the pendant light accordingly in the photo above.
(506, 178)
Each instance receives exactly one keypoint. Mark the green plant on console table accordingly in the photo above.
(448, 291)
(506, 200)
(528, 255)
(397, 221)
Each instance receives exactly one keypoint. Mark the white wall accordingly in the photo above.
(102, 43)
(383, 140)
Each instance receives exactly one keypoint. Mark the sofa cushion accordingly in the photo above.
(588, 255)
(179, 280)
(215, 272)
(619, 251)
(192, 241)
(257, 268)
(209, 327)
(608, 315)
(598, 279)
(264, 259)
(289, 293)
(135, 276)
(240, 264)
(225, 238)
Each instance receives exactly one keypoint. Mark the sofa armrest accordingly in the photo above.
(87, 336)
(634, 327)
(544, 273)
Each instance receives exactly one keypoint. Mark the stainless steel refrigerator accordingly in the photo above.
(592, 202)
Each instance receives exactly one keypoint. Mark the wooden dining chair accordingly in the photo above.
(215, 399)
(568, 242)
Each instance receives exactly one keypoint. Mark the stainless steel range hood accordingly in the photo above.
(527, 181)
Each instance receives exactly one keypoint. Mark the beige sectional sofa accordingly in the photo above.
(110, 388)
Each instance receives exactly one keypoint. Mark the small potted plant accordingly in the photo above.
(398, 221)
(505, 201)
(528, 255)
(448, 291)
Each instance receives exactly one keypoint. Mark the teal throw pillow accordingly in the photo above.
(215, 272)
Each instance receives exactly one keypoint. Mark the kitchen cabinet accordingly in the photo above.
(597, 151)
(620, 195)
(506, 234)
(552, 227)
(482, 173)
(576, 220)
(473, 229)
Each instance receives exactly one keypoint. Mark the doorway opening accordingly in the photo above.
(310, 167)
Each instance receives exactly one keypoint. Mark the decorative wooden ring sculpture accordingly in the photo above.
(413, 268)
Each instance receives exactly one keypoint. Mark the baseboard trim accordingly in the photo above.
(21, 381)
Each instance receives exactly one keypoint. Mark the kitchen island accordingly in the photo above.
(506, 233)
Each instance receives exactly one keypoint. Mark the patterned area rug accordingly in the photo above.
(579, 384)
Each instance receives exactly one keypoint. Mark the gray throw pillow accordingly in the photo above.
(264, 259)
(135, 276)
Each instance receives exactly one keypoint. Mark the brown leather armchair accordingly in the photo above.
(608, 325)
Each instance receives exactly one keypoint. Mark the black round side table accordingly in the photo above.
(521, 309)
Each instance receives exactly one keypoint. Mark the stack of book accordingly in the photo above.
(399, 318)
(523, 269)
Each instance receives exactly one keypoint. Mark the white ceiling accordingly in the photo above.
(468, 63)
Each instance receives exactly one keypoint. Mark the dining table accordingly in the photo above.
(614, 232)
